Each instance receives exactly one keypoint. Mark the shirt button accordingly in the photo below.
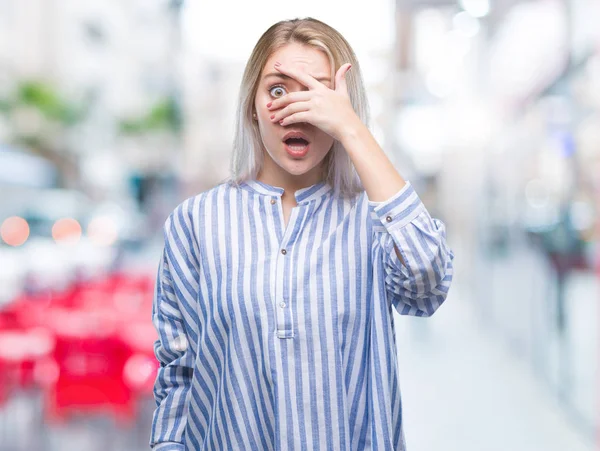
(282, 304)
(180, 343)
(273, 201)
(388, 219)
(283, 251)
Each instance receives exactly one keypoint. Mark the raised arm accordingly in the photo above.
(419, 281)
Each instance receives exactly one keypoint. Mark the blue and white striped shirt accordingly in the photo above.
(282, 338)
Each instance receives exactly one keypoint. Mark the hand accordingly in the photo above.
(325, 108)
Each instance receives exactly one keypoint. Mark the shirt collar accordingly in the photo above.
(303, 195)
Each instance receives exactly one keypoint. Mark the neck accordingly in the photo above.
(289, 182)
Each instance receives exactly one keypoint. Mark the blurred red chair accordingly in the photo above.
(98, 353)
(90, 361)
(21, 350)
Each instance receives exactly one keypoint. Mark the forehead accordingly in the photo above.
(302, 57)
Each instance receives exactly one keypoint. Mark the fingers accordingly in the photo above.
(298, 96)
(289, 110)
(307, 80)
(340, 77)
(301, 116)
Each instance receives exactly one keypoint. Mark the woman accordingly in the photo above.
(275, 288)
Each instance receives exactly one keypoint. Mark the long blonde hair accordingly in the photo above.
(247, 157)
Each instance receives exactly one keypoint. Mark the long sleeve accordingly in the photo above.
(175, 294)
(402, 221)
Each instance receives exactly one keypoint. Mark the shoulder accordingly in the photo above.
(193, 209)
(355, 200)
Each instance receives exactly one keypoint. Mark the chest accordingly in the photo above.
(276, 263)
(287, 212)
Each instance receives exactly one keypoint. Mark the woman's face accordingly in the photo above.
(279, 164)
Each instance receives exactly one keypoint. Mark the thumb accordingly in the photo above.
(340, 79)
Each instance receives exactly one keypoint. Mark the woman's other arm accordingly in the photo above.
(176, 293)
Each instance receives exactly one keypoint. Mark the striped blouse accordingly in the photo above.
(275, 337)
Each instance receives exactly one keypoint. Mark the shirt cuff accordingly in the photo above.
(169, 446)
(397, 211)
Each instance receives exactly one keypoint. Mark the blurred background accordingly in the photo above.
(112, 112)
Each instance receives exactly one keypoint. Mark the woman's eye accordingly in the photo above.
(275, 89)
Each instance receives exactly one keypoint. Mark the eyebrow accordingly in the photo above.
(287, 77)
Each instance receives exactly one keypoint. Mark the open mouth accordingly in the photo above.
(296, 143)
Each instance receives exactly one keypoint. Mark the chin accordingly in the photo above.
(297, 168)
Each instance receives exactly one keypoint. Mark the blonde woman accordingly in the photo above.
(276, 288)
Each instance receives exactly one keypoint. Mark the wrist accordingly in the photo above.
(351, 131)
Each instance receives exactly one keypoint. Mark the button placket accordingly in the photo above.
(283, 312)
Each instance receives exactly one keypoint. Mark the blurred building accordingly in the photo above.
(211, 88)
(117, 61)
(502, 124)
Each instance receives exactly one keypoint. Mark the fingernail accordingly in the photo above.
(277, 63)
(269, 104)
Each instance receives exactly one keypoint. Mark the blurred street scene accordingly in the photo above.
(112, 112)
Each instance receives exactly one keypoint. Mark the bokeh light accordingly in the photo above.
(66, 231)
(14, 231)
(102, 231)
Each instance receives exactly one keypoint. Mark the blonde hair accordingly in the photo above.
(247, 157)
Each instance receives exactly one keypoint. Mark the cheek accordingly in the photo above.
(260, 102)
(267, 128)
(324, 141)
